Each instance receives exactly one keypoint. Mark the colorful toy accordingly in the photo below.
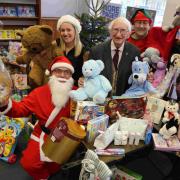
(140, 86)
(9, 131)
(96, 86)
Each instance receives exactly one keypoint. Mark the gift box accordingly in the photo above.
(95, 125)
(128, 107)
(87, 110)
(63, 141)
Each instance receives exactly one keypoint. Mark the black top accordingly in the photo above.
(77, 63)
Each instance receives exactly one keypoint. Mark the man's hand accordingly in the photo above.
(81, 82)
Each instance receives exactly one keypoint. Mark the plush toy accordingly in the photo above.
(169, 128)
(140, 86)
(175, 60)
(96, 86)
(171, 111)
(175, 22)
(152, 56)
(37, 40)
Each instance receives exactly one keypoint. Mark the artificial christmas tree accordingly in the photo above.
(94, 26)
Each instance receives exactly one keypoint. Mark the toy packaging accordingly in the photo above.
(128, 107)
(122, 173)
(95, 125)
(156, 108)
(171, 144)
(86, 110)
(20, 81)
(9, 132)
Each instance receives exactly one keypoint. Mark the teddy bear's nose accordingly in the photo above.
(136, 76)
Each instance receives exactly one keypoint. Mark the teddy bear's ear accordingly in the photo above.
(47, 29)
(101, 64)
(19, 33)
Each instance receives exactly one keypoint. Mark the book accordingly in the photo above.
(156, 108)
(95, 125)
(171, 144)
(127, 107)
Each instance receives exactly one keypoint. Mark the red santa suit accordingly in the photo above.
(39, 102)
(140, 43)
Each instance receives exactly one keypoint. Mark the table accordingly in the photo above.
(128, 149)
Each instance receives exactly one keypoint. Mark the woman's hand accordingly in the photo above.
(81, 82)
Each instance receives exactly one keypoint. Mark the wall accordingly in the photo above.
(169, 11)
(57, 8)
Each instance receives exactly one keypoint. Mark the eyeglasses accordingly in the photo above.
(62, 71)
(122, 31)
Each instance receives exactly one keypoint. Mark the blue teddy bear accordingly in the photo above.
(96, 86)
(138, 80)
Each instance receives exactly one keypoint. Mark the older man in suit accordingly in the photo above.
(117, 55)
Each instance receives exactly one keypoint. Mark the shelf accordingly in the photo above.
(18, 18)
(10, 39)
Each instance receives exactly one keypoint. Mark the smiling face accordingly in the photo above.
(119, 33)
(141, 29)
(67, 33)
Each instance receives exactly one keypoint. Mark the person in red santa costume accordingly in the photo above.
(49, 103)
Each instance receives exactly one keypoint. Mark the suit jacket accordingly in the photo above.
(103, 52)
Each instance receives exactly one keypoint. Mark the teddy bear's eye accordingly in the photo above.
(139, 69)
(91, 69)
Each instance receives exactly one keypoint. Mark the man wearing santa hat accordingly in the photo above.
(49, 103)
(141, 21)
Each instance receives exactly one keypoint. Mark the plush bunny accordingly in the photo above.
(96, 86)
(138, 80)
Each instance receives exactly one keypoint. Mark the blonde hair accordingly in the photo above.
(77, 43)
(120, 19)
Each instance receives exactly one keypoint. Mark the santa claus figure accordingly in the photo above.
(49, 103)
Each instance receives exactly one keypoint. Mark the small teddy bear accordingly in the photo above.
(140, 86)
(175, 22)
(171, 110)
(96, 86)
(171, 119)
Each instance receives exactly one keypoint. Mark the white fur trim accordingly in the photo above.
(35, 138)
(47, 73)
(52, 115)
(69, 19)
(8, 108)
(63, 65)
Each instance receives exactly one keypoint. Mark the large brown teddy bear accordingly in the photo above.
(39, 52)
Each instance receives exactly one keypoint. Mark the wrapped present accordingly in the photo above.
(63, 141)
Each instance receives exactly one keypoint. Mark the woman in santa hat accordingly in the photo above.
(49, 103)
(70, 44)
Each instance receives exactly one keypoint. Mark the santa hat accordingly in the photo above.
(59, 62)
(69, 19)
(141, 15)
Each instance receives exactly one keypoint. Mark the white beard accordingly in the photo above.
(60, 90)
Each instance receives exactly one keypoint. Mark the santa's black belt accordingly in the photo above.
(45, 129)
